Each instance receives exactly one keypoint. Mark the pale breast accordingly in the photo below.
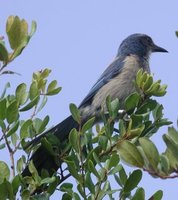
(119, 87)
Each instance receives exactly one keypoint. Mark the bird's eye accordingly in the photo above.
(149, 40)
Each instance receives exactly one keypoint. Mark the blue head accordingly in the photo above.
(139, 44)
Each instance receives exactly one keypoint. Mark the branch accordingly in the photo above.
(11, 153)
(154, 173)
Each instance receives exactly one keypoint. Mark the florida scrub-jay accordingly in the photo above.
(116, 81)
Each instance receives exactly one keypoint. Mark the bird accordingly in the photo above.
(117, 81)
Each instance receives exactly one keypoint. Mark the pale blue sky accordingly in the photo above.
(78, 39)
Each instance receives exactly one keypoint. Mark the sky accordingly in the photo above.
(78, 39)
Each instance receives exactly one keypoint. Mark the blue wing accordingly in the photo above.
(110, 72)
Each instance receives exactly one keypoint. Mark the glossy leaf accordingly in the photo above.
(113, 161)
(3, 52)
(139, 194)
(31, 104)
(6, 191)
(132, 101)
(13, 128)
(17, 31)
(88, 125)
(89, 183)
(130, 154)
(7, 85)
(165, 164)
(12, 112)
(157, 196)
(72, 169)
(75, 113)
(74, 139)
(34, 92)
(173, 133)
(92, 169)
(3, 109)
(24, 131)
(132, 181)
(21, 93)
(172, 146)
(4, 171)
(150, 151)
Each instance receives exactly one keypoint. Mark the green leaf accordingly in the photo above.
(2, 146)
(72, 169)
(148, 83)
(31, 104)
(88, 125)
(115, 170)
(48, 180)
(173, 134)
(54, 92)
(43, 124)
(165, 164)
(75, 196)
(37, 124)
(172, 146)
(21, 94)
(52, 186)
(122, 176)
(3, 125)
(4, 171)
(150, 151)
(133, 180)
(89, 183)
(158, 112)
(16, 182)
(157, 196)
(132, 101)
(6, 191)
(13, 128)
(3, 52)
(24, 131)
(92, 169)
(4, 90)
(139, 194)
(103, 141)
(52, 86)
(20, 164)
(52, 89)
(130, 154)
(34, 172)
(25, 194)
(66, 187)
(148, 106)
(48, 146)
(75, 113)
(33, 28)
(34, 92)
(43, 103)
(112, 106)
(113, 161)
(74, 139)
(3, 109)
(12, 112)
(14, 139)
(17, 31)
(176, 32)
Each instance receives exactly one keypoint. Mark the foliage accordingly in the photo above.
(93, 156)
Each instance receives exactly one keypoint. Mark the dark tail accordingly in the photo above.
(42, 159)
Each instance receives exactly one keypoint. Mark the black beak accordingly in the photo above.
(156, 48)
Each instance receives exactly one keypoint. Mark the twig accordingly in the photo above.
(11, 154)
(160, 175)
